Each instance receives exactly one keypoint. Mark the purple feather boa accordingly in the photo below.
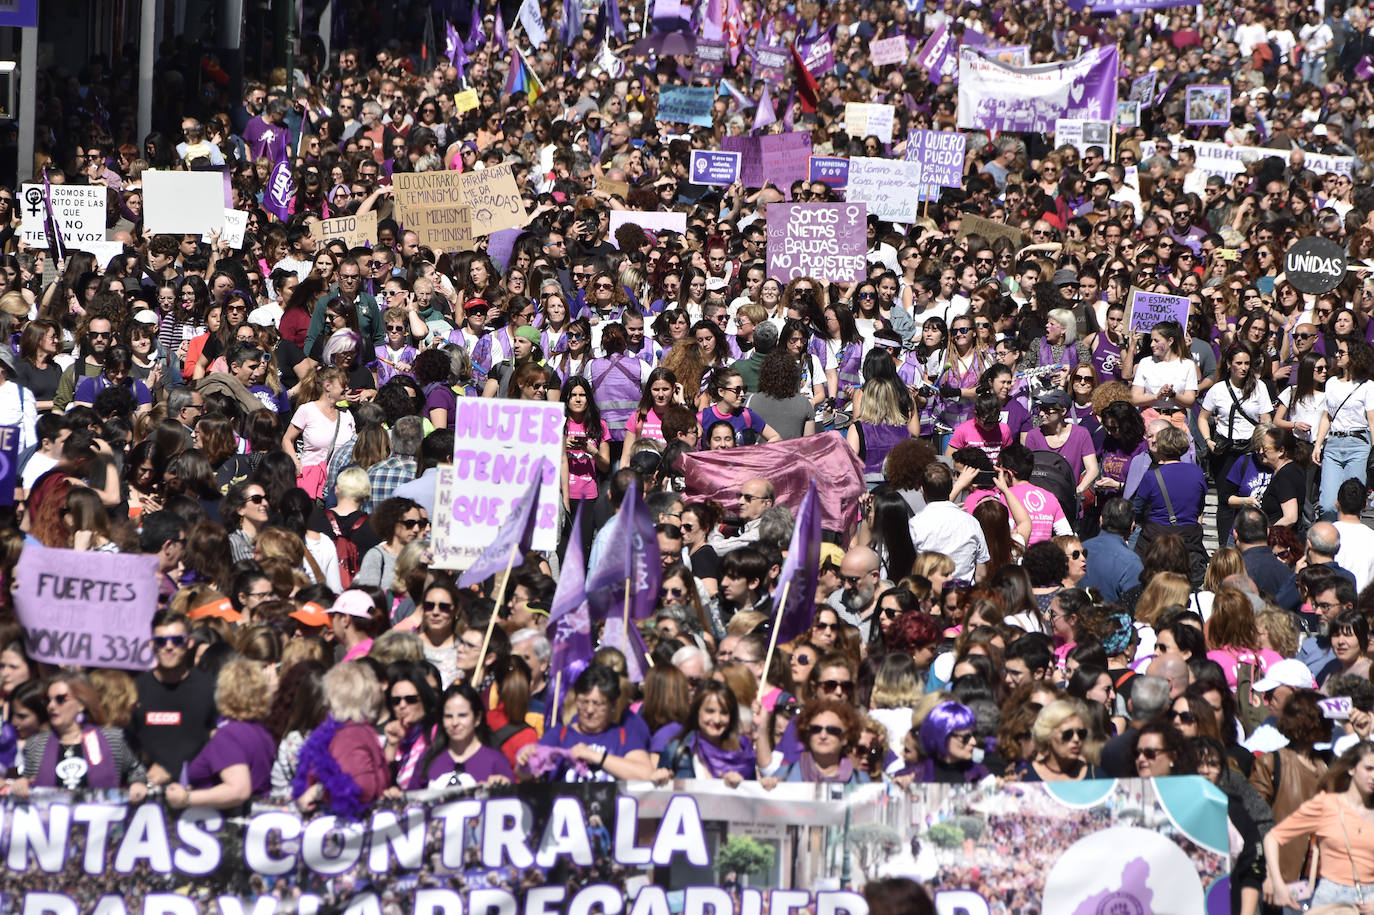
(341, 792)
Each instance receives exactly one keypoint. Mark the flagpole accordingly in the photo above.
(628, 647)
(773, 636)
(496, 612)
(558, 698)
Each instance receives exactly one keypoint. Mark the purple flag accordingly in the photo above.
(743, 101)
(476, 37)
(515, 533)
(281, 191)
(713, 20)
(636, 653)
(1365, 68)
(453, 44)
(499, 31)
(57, 245)
(570, 26)
(937, 57)
(570, 624)
(819, 53)
(613, 20)
(629, 555)
(765, 114)
(801, 569)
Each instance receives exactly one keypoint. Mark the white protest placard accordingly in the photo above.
(650, 221)
(1081, 133)
(1228, 161)
(235, 227)
(890, 187)
(865, 119)
(78, 209)
(356, 231)
(497, 444)
(103, 251)
(189, 203)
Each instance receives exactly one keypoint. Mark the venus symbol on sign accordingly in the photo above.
(701, 166)
(34, 198)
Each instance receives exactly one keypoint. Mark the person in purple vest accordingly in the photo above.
(80, 751)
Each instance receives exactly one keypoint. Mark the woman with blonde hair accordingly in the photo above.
(897, 687)
(1165, 589)
(935, 567)
(1224, 563)
(1059, 732)
(236, 764)
(1276, 631)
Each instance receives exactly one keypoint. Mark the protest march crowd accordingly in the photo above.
(1083, 538)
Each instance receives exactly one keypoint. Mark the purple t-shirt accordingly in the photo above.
(745, 419)
(1075, 447)
(235, 742)
(1017, 418)
(1187, 486)
(630, 734)
(439, 396)
(481, 766)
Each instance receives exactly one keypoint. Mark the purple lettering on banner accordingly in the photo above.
(88, 609)
(995, 96)
(832, 171)
(818, 54)
(1117, 7)
(941, 154)
(709, 62)
(775, 158)
(1149, 308)
(826, 241)
(714, 167)
(937, 57)
(9, 463)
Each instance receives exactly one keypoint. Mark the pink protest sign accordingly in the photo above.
(825, 241)
(86, 608)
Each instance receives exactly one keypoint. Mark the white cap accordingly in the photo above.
(1288, 672)
(1319, 130)
(146, 316)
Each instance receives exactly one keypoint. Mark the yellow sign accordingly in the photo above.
(466, 100)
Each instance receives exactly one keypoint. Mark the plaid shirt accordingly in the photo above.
(387, 474)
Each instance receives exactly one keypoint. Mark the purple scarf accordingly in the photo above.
(100, 771)
(811, 773)
(342, 793)
(720, 760)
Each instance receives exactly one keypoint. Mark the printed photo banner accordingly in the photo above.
(87, 609)
(1205, 105)
(994, 96)
(1124, 845)
(770, 62)
(1149, 308)
(1143, 89)
(826, 241)
(497, 443)
(1081, 134)
(709, 61)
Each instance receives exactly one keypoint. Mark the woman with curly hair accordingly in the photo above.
(236, 764)
(1059, 733)
(829, 729)
(777, 399)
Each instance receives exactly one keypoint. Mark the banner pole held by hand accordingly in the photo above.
(773, 636)
(496, 612)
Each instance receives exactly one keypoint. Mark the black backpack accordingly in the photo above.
(1053, 474)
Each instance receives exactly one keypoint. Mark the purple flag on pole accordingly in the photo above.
(476, 37)
(570, 624)
(452, 43)
(613, 20)
(802, 569)
(499, 30)
(713, 20)
(515, 534)
(57, 245)
(636, 653)
(1365, 68)
(765, 114)
(570, 26)
(937, 57)
(630, 554)
(281, 191)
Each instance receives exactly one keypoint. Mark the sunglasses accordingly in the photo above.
(412, 523)
(257, 498)
(396, 327)
(443, 605)
(1069, 734)
(1150, 753)
(834, 730)
(963, 736)
(59, 699)
(671, 592)
(409, 699)
(823, 627)
(832, 686)
(162, 641)
(1182, 717)
(801, 659)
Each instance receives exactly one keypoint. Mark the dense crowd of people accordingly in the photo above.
(1025, 592)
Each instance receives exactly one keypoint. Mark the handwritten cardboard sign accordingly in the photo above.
(826, 241)
(87, 608)
(414, 191)
(886, 51)
(356, 231)
(866, 119)
(890, 187)
(686, 105)
(1150, 308)
(493, 198)
(443, 228)
(496, 443)
(970, 224)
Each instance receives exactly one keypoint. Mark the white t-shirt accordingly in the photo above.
(1308, 410)
(1356, 554)
(1236, 426)
(1347, 402)
(1153, 376)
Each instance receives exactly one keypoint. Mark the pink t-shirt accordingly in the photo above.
(969, 434)
(1230, 660)
(1044, 509)
(652, 427)
(318, 432)
(581, 467)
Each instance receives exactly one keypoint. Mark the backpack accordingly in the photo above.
(1053, 474)
(349, 560)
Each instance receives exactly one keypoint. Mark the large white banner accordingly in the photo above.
(1228, 161)
(997, 96)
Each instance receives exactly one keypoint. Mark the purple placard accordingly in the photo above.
(714, 167)
(709, 62)
(770, 62)
(775, 158)
(994, 96)
(819, 53)
(826, 241)
(500, 244)
(941, 154)
(87, 609)
(832, 171)
(19, 14)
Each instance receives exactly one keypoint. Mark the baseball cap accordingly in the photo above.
(831, 554)
(1053, 398)
(353, 603)
(1065, 277)
(146, 316)
(1288, 672)
(220, 608)
(311, 614)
